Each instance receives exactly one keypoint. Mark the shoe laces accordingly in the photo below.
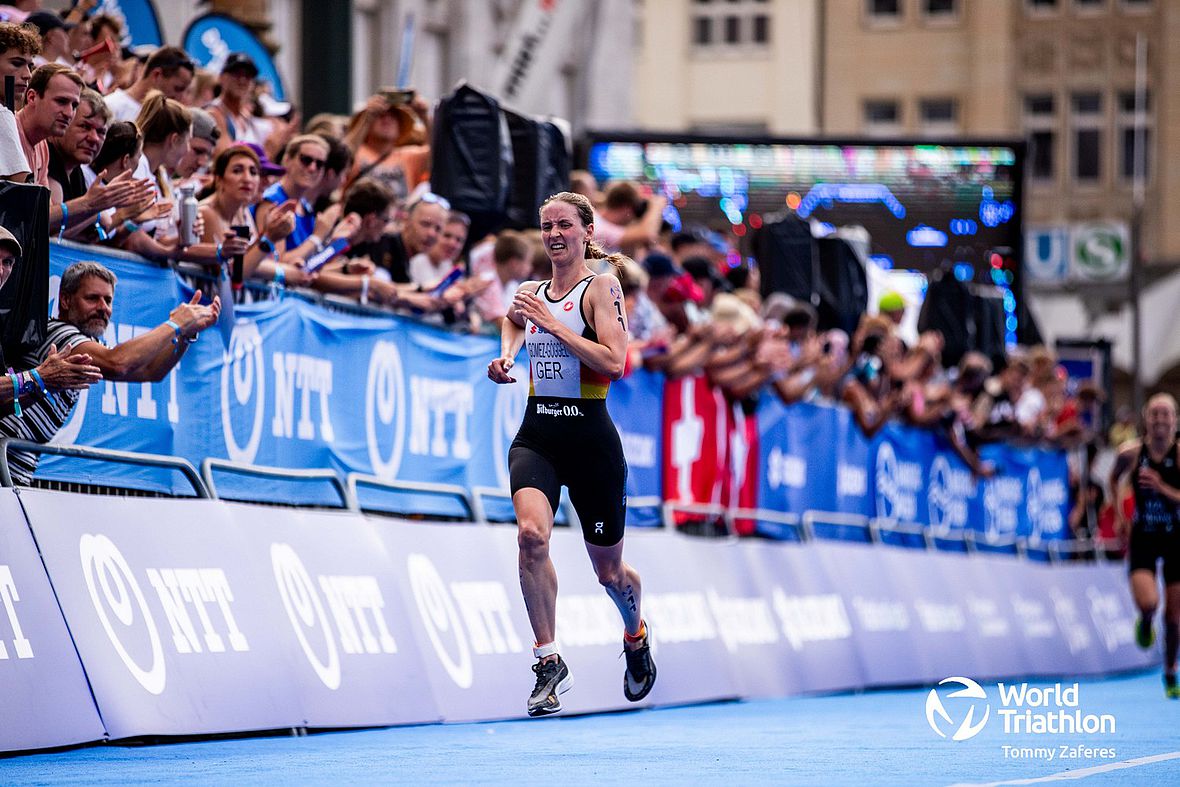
(545, 671)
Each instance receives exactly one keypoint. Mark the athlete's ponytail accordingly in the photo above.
(595, 252)
(586, 214)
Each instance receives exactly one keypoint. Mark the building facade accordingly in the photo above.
(728, 66)
(579, 67)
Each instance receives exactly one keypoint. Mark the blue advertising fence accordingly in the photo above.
(126, 617)
(301, 386)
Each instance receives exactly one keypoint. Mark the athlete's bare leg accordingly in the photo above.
(1171, 627)
(621, 583)
(1145, 591)
(538, 577)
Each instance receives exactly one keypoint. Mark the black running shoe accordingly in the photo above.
(640, 674)
(1171, 688)
(1144, 633)
(553, 678)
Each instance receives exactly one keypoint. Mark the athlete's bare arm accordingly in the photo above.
(511, 339)
(604, 310)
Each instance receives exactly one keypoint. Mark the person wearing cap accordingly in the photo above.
(169, 70)
(85, 300)
(59, 371)
(68, 154)
(234, 106)
(55, 39)
(383, 137)
(892, 306)
(191, 169)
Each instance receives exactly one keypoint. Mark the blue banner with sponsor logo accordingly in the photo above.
(634, 404)
(814, 458)
(300, 386)
(140, 20)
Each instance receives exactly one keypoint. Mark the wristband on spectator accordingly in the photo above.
(130, 226)
(280, 276)
(365, 289)
(220, 259)
(101, 230)
(266, 245)
(41, 384)
(317, 241)
(176, 331)
(65, 218)
(16, 396)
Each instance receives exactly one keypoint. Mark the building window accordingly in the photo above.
(733, 29)
(730, 25)
(761, 29)
(1089, 6)
(1040, 122)
(883, 9)
(1087, 136)
(940, 9)
(882, 117)
(1041, 5)
(702, 31)
(939, 117)
(1130, 118)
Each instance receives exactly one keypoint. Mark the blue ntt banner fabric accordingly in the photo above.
(299, 386)
(815, 458)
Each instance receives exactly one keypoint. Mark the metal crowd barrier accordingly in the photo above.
(182, 466)
(348, 495)
(210, 467)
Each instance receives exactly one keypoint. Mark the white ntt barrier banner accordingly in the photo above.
(198, 616)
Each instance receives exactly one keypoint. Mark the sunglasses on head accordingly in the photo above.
(434, 199)
(311, 162)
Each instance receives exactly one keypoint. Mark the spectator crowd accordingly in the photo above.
(343, 205)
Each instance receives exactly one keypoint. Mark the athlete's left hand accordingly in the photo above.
(528, 306)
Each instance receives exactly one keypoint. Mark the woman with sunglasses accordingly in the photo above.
(574, 327)
(304, 159)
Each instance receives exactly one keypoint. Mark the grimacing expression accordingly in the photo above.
(562, 232)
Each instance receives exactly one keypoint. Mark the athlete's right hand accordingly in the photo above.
(498, 371)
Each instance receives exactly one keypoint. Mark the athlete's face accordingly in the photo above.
(562, 232)
(1160, 418)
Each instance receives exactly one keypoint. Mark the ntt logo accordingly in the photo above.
(961, 715)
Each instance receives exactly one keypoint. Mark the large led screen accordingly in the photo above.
(922, 204)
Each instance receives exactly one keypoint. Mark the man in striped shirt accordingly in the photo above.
(85, 297)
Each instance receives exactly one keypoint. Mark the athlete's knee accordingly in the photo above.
(611, 574)
(532, 537)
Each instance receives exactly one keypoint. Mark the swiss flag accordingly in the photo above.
(707, 439)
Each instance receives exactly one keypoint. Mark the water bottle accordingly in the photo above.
(188, 215)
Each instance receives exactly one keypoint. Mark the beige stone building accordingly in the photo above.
(727, 66)
(1059, 74)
